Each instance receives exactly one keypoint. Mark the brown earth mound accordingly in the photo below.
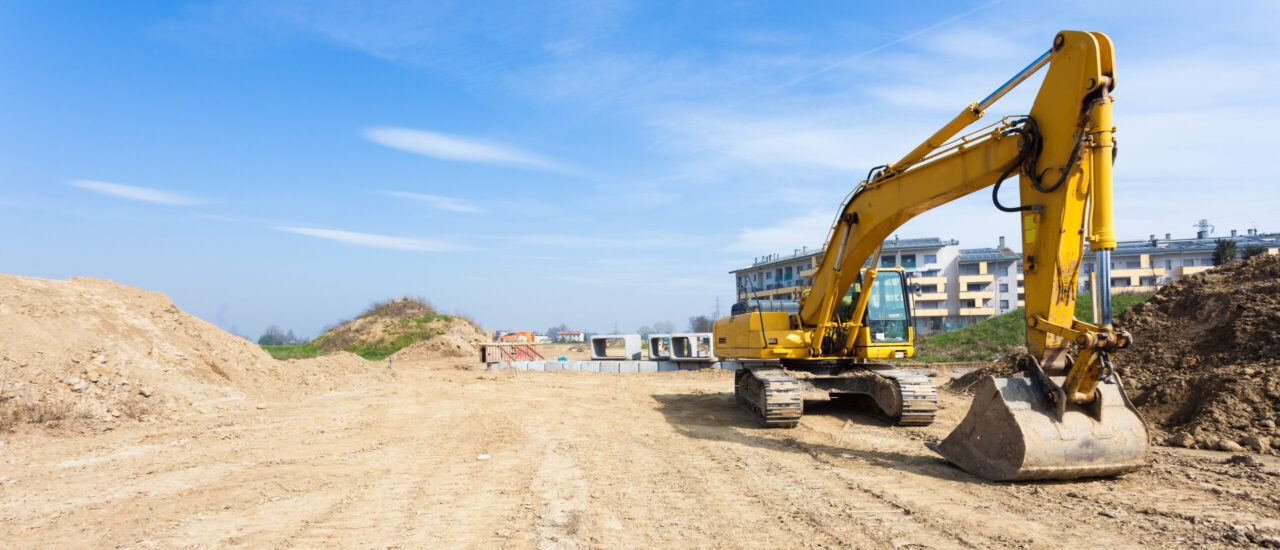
(461, 339)
(89, 348)
(1006, 365)
(1205, 363)
(406, 329)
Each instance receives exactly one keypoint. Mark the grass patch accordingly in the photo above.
(298, 351)
(986, 340)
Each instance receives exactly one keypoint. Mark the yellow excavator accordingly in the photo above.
(1065, 415)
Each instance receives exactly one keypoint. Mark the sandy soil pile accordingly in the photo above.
(461, 339)
(1205, 364)
(1006, 365)
(89, 348)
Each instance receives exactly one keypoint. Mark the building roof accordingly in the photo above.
(972, 255)
(567, 332)
(1154, 245)
(890, 245)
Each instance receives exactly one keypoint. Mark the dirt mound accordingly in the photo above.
(1205, 363)
(1006, 365)
(461, 339)
(89, 348)
(408, 326)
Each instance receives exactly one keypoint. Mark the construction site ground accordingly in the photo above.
(448, 456)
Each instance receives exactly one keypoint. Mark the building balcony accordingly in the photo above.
(975, 311)
(1138, 272)
(1139, 289)
(806, 272)
(977, 295)
(1022, 303)
(966, 279)
(925, 281)
(1192, 269)
(939, 312)
(931, 297)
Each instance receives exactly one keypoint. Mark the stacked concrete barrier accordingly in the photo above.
(659, 347)
(690, 347)
(630, 345)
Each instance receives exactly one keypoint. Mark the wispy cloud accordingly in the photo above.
(459, 148)
(371, 240)
(131, 192)
(436, 201)
(786, 234)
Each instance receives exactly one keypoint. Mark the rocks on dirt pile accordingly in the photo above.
(1205, 363)
(90, 348)
(1006, 365)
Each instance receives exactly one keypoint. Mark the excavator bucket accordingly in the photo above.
(1013, 432)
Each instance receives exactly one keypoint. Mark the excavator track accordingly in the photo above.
(916, 395)
(770, 395)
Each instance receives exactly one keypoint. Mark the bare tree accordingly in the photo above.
(700, 323)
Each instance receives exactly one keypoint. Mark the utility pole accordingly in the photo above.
(615, 327)
(717, 313)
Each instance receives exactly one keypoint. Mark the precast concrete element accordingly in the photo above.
(630, 346)
(537, 365)
(659, 347)
(667, 366)
(572, 365)
(520, 365)
(628, 366)
(609, 366)
(690, 365)
(589, 366)
(648, 366)
(692, 346)
(555, 365)
(729, 365)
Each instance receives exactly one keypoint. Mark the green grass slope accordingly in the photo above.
(986, 340)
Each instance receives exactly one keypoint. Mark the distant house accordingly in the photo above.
(568, 336)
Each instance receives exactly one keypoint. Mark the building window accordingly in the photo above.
(975, 287)
(909, 261)
(971, 269)
(1188, 263)
(930, 273)
(1168, 264)
(887, 261)
(930, 258)
(1133, 264)
(928, 289)
(1004, 287)
(787, 275)
(769, 275)
(1004, 305)
(1121, 282)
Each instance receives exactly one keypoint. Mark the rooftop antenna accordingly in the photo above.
(1203, 229)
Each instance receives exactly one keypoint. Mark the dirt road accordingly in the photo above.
(581, 460)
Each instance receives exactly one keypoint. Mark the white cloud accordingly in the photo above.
(787, 234)
(436, 201)
(135, 193)
(447, 147)
(370, 240)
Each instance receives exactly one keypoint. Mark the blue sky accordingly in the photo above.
(593, 163)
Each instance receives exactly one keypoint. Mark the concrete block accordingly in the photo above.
(630, 347)
(648, 366)
(729, 365)
(572, 365)
(537, 365)
(555, 365)
(659, 347)
(589, 366)
(609, 366)
(690, 365)
(628, 366)
(693, 346)
(667, 366)
(520, 365)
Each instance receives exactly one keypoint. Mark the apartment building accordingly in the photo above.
(959, 287)
(1141, 267)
